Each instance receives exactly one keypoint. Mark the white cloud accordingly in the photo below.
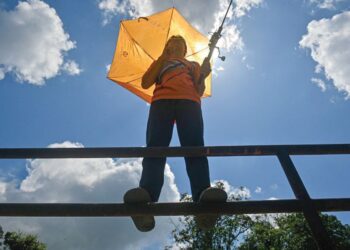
(2, 187)
(236, 192)
(216, 69)
(72, 68)
(242, 192)
(326, 4)
(85, 180)
(2, 73)
(33, 43)
(231, 38)
(318, 68)
(320, 83)
(193, 11)
(328, 40)
(133, 8)
(245, 194)
(108, 67)
(220, 68)
(244, 6)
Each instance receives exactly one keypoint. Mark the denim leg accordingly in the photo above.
(159, 132)
(189, 124)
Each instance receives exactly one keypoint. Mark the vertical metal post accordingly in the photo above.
(311, 215)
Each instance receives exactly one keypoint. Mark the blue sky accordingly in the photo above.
(262, 94)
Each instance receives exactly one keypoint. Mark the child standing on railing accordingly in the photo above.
(176, 98)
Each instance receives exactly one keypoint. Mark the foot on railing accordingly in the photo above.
(140, 196)
(210, 195)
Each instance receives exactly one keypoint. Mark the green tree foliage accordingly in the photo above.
(292, 232)
(243, 232)
(227, 232)
(20, 241)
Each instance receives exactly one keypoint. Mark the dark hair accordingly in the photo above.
(177, 37)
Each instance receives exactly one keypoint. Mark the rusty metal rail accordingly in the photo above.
(166, 209)
(303, 202)
(131, 152)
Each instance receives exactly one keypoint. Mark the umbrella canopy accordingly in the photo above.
(141, 41)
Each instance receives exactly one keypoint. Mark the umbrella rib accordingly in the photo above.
(134, 79)
(171, 17)
(198, 51)
(130, 80)
(132, 74)
(133, 39)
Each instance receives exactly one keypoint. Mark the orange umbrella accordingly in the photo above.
(141, 41)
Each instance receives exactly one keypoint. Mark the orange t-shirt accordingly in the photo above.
(176, 80)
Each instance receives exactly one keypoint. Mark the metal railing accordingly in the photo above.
(303, 202)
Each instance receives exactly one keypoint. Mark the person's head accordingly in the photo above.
(176, 46)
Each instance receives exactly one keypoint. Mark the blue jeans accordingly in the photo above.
(189, 123)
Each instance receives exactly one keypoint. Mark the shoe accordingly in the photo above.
(140, 196)
(210, 195)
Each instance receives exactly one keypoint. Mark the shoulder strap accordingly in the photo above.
(176, 62)
(190, 65)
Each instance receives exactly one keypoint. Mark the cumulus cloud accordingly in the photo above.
(231, 38)
(244, 6)
(235, 192)
(80, 181)
(33, 43)
(328, 40)
(258, 190)
(204, 15)
(320, 83)
(72, 68)
(326, 4)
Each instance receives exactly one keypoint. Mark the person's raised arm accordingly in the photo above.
(150, 77)
(205, 70)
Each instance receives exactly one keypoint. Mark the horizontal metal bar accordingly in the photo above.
(131, 152)
(166, 209)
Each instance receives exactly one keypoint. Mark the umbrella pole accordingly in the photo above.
(214, 40)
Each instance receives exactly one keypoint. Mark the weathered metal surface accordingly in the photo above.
(130, 152)
(166, 209)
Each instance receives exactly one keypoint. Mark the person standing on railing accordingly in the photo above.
(176, 99)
